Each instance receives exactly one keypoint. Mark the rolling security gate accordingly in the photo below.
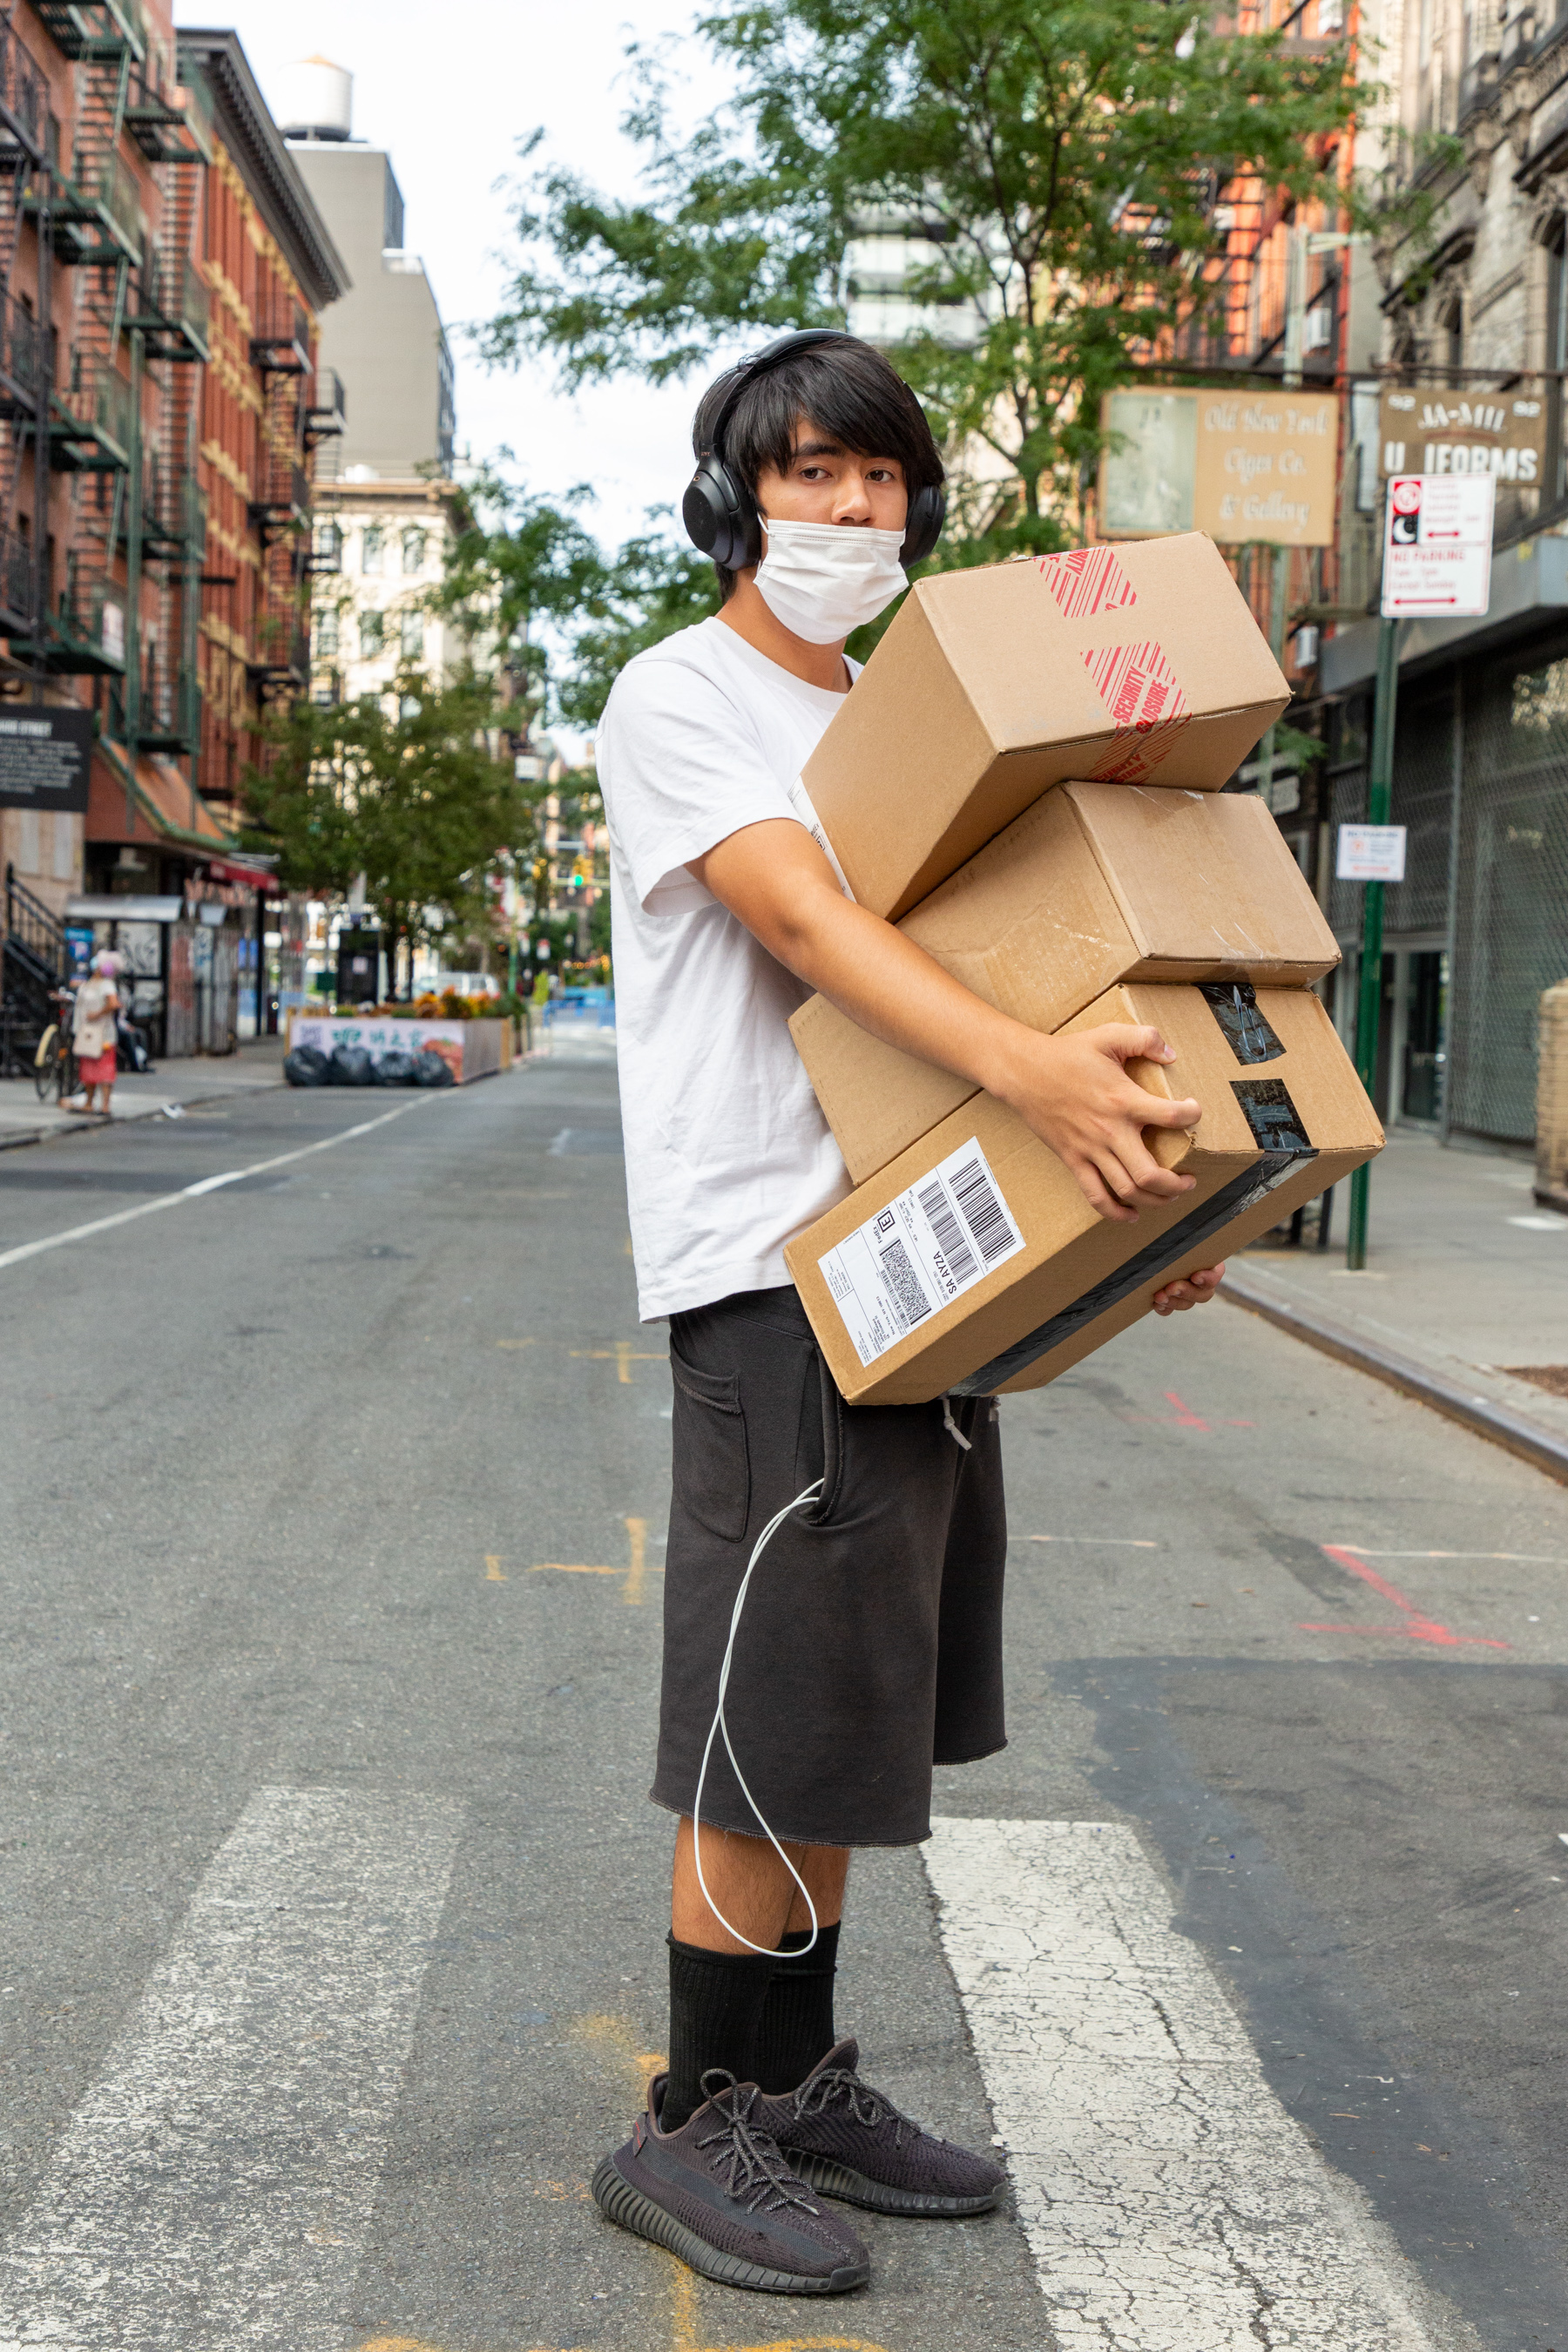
(1481, 782)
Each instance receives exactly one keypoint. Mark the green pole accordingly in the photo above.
(1369, 1005)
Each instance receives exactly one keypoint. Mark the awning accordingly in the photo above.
(163, 809)
(112, 908)
(255, 877)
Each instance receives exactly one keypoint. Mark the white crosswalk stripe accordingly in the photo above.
(217, 2183)
(1171, 2202)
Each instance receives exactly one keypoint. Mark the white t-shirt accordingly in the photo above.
(727, 1152)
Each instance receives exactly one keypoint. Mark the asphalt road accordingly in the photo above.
(331, 1906)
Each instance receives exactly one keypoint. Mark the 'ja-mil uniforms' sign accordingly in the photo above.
(1256, 465)
(1437, 547)
(45, 755)
(1500, 433)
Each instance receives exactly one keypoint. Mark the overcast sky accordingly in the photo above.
(448, 92)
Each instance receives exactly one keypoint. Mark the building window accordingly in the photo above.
(327, 631)
(374, 546)
(413, 636)
(372, 633)
(413, 552)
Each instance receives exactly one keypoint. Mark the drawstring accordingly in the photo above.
(951, 1426)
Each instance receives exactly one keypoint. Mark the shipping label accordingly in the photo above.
(948, 1231)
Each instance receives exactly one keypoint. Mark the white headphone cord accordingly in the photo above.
(720, 1724)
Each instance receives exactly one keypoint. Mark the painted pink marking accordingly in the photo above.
(1185, 1418)
(1417, 1627)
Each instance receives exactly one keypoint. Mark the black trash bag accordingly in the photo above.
(430, 1070)
(306, 1066)
(350, 1065)
(395, 1069)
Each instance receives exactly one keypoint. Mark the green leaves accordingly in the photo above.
(1058, 164)
(406, 789)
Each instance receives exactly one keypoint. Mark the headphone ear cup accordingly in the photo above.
(719, 519)
(922, 528)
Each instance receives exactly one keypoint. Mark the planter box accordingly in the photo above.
(471, 1049)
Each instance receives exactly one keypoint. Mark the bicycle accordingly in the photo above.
(55, 1067)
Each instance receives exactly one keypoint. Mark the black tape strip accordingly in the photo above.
(1275, 1124)
(1233, 1003)
(1232, 1201)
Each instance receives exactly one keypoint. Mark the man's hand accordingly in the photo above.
(1075, 1092)
(1193, 1290)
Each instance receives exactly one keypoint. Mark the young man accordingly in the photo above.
(869, 1647)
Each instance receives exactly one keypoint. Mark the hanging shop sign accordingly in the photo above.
(1437, 546)
(1500, 433)
(1241, 466)
(45, 755)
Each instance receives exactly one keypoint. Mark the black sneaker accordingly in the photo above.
(718, 2193)
(850, 2141)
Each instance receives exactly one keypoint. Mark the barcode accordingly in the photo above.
(983, 1213)
(948, 1233)
(910, 1301)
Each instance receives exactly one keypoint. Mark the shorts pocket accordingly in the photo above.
(712, 1468)
(819, 1444)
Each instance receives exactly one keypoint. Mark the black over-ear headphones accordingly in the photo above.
(721, 513)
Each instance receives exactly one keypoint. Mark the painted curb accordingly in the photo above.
(1533, 1443)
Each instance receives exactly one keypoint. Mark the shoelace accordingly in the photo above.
(866, 2105)
(756, 2174)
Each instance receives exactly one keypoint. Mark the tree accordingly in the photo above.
(1061, 160)
(521, 562)
(404, 789)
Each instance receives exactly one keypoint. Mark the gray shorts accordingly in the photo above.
(871, 1646)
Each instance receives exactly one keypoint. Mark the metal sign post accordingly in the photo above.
(1436, 564)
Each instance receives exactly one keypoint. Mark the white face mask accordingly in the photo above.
(824, 579)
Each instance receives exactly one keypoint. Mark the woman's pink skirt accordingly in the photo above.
(98, 1069)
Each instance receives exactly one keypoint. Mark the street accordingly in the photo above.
(331, 1908)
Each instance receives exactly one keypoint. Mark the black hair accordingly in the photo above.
(848, 389)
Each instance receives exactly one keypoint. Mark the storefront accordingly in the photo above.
(1478, 928)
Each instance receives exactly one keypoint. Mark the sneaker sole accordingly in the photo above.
(831, 2180)
(619, 2202)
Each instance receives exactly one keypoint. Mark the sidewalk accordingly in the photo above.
(191, 1080)
(1466, 1285)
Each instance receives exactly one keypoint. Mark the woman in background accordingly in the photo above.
(94, 1032)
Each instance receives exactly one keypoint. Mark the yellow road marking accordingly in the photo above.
(623, 1355)
(516, 1343)
(493, 1570)
(637, 1564)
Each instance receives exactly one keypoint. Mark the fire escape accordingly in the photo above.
(280, 500)
(25, 344)
(95, 229)
(170, 325)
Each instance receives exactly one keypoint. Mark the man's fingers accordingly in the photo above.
(1100, 1199)
(1133, 1045)
(1150, 1111)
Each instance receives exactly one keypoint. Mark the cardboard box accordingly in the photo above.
(1094, 884)
(1134, 664)
(973, 1263)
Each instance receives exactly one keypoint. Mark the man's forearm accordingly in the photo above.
(892, 988)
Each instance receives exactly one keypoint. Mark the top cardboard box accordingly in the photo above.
(1134, 664)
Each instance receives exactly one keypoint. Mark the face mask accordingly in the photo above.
(824, 579)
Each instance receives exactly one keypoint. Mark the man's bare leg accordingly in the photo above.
(752, 1887)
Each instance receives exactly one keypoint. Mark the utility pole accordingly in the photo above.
(1369, 1000)
(1295, 347)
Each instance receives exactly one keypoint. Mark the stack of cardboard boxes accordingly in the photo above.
(1027, 780)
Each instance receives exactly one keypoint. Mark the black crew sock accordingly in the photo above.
(795, 2032)
(715, 2000)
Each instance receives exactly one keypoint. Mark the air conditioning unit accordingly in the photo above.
(1319, 328)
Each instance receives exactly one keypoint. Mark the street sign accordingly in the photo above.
(1502, 434)
(1437, 546)
(1371, 853)
(1242, 467)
